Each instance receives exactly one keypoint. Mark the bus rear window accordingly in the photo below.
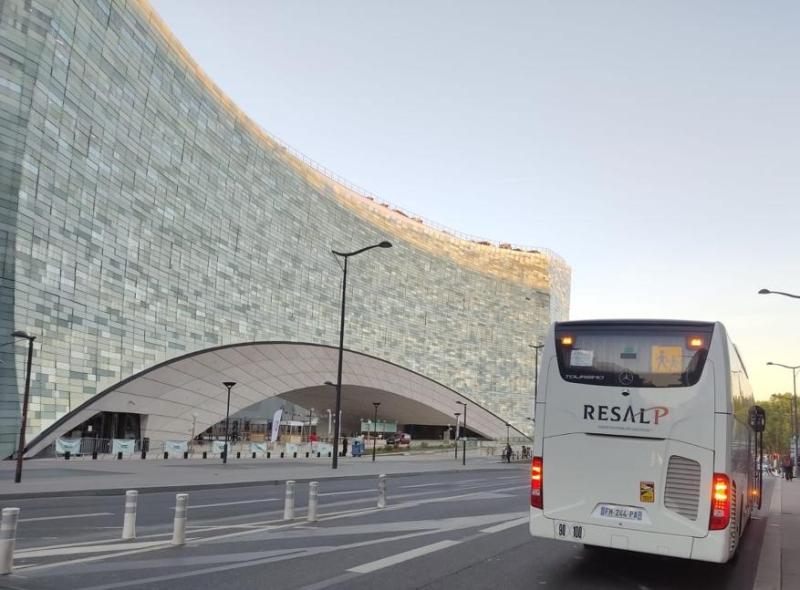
(632, 355)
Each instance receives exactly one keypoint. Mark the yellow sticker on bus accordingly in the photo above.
(666, 359)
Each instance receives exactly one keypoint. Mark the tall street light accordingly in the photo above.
(768, 292)
(508, 433)
(536, 348)
(336, 425)
(794, 407)
(464, 438)
(456, 414)
(229, 385)
(375, 430)
(26, 397)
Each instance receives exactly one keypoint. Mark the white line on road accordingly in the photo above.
(231, 503)
(39, 518)
(104, 548)
(425, 485)
(506, 525)
(401, 557)
(371, 490)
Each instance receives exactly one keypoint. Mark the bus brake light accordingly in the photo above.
(720, 502)
(537, 476)
(567, 341)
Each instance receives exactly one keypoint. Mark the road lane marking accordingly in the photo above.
(506, 525)
(370, 490)
(380, 564)
(426, 485)
(106, 547)
(190, 506)
(40, 518)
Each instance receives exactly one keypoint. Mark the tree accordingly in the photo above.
(778, 430)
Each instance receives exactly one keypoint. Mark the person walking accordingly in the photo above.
(344, 447)
(788, 467)
(508, 452)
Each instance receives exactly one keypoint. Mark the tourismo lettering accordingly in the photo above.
(621, 414)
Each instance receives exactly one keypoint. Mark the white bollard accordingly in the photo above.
(313, 490)
(288, 506)
(179, 524)
(382, 491)
(8, 539)
(129, 522)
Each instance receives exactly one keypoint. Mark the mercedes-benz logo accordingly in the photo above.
(626, 378)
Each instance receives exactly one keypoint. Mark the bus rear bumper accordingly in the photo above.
(713, 547)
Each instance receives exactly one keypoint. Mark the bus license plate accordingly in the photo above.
(620, 512)
(567, 530)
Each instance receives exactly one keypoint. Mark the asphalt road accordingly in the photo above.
(463, 530)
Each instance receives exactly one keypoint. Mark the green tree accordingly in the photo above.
(778, 431)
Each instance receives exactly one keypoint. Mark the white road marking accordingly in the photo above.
(506, 525)
(104, 548)
(40, 518)
(190, 506)
(401, 557)
(369, 491)
(425, 485)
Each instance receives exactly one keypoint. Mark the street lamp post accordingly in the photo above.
(25, 398)
(768, 292)
(794, 369)
(375, 431)
(508, 433)
(337, 420)
(456, 414)
(464, 438)
(229, 385)
(536, 348)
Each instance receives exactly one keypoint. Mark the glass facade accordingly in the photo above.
(143, 215)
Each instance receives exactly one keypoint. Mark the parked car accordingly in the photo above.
(398, 438)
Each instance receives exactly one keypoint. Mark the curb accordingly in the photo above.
(768, 570)
(212, 486)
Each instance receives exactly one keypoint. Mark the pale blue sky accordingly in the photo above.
(653, 145)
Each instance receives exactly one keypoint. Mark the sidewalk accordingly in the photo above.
(54, 477)
(779, 563)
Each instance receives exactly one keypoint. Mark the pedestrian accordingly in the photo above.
(787, 467)
(508, 452)
(344, 447)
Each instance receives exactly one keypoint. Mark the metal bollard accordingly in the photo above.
(166, 455)
(288, 505)
(382, 491)
(319, 454)
(8, 539)
(294, 455)
(119, 456)
(238, 454)
(205, 454)
(66, 455)
(269, 454)
(281, 454)
(129, 522)
(313, 490)
(254, 455)
(94, 455)
(185, 454)
(144, 454)
(306, 454)
(179, 524)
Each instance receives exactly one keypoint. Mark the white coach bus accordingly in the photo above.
(642, 439)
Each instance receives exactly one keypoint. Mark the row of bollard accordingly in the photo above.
(253, 455)
(10, 517)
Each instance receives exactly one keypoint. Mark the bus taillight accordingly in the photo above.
(720, 502)
(537, 499)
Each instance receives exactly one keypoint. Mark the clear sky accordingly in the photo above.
(654, 145)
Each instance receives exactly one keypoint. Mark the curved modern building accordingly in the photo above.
(156, 242)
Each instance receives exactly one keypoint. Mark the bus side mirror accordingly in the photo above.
(758, 418)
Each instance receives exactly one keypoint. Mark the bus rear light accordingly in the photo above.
(695, 342)
(720, 502)
(537, 477)
(567, 341)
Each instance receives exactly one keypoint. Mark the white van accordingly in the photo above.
(642, 438)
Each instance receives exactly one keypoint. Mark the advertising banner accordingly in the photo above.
(259, 448)
(126, 446)
(324, 448)
(176, 447)
(276, 425)
(218, 446)
(290, 448)
(73, 445)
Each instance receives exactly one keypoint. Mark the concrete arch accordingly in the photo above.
(170, 392)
